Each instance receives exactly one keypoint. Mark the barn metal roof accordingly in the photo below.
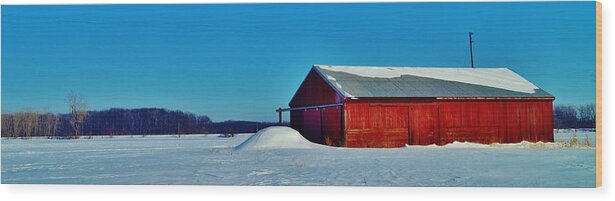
(362, 81)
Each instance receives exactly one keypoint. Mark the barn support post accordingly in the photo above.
(279, 116)
(322, 127)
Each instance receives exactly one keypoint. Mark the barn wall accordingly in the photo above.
(376, 125)
(379, 122)
(472, 121)
(424, 122)
(308, 123)
(332, 126)
(491, 121)
(396, 122)
(322, 125)
(314, 91)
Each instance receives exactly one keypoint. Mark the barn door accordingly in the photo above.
(389, 126)
(423, 124)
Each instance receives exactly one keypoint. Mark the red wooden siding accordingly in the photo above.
(312, 125)
(332, 126)
(395, 122)
(376, 125)
(490, 121)
(472, 121)
(314, 91)
(321, 125)
(423, 123)
(296, 120)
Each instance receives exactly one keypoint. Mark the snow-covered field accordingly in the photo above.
(212, 160)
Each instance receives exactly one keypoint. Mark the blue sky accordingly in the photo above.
(242, 61)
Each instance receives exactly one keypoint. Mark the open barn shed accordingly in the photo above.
(354, 106)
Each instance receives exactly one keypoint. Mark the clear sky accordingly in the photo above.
(242, 61)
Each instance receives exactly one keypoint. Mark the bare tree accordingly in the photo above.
(50, 124)
(30, 123)
(17, 121)
(78, 112)
(7, 127)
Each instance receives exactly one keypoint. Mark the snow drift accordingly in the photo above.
(277, 137)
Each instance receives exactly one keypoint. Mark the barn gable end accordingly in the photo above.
(320, 125)
(314, 90)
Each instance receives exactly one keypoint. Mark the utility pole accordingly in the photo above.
(471, 51)
(279, 116)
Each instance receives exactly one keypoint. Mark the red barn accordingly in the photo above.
(354, 106)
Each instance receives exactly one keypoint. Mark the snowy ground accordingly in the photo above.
(211, 160)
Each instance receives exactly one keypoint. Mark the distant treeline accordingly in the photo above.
(115, 121)
(571, 116)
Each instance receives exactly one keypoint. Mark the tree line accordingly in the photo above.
(574, 116)
(117, 121)
(26, 124)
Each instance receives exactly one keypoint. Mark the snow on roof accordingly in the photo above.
(363, 81)
(502, 78)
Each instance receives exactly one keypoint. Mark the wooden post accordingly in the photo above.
(280, 116)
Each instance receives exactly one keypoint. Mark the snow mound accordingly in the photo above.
(277, 137)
